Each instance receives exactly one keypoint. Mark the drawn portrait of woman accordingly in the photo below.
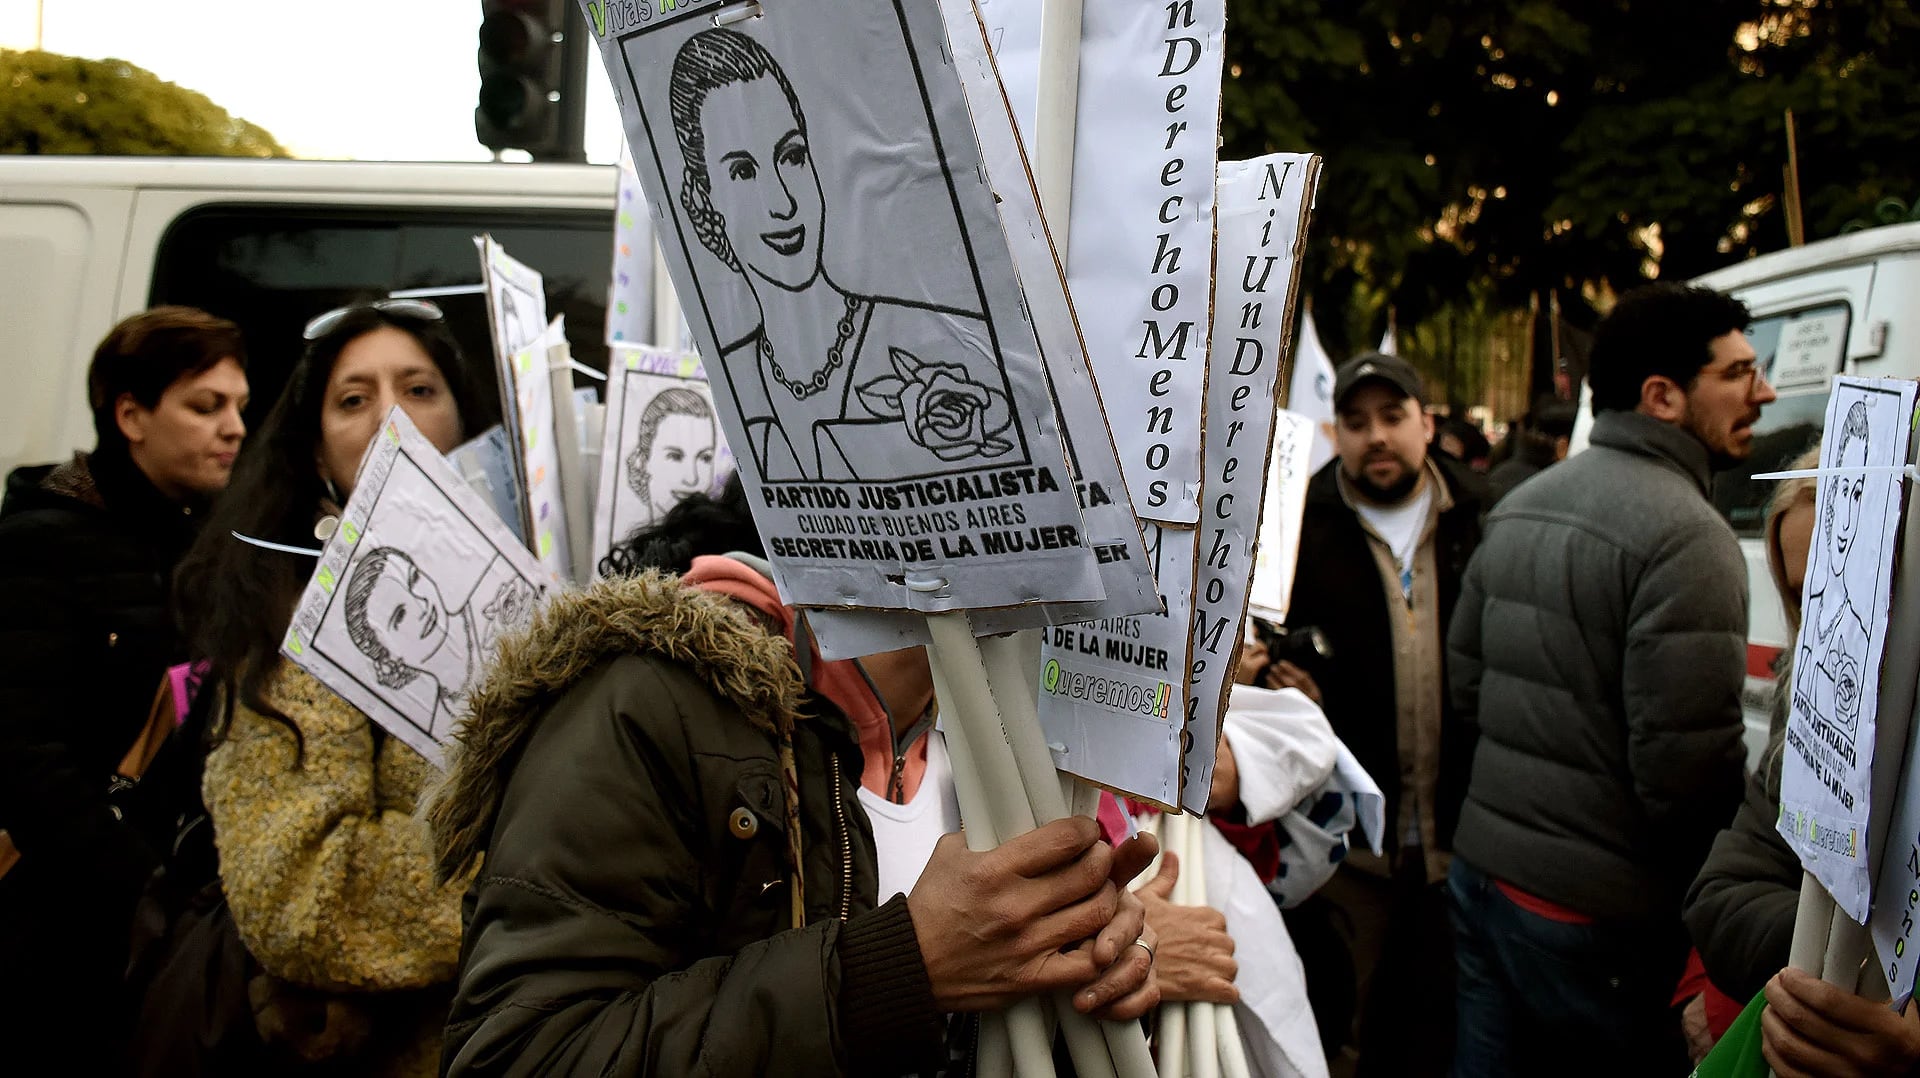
(826, 376)
(396, 617)
(673, 451)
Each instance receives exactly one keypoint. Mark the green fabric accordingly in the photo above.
(1738, 1053)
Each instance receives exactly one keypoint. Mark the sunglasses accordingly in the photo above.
(322, 324)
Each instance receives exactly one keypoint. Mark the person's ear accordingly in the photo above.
(1426, 421)
(131, 418)
(1663, 398)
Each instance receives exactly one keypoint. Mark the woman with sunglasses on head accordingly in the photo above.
(326, 872)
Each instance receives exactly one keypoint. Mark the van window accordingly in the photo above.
(1800, 351)
(270, 268)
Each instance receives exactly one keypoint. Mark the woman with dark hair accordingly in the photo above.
(821, 364)
(672, 456)
(324, 868)
(87, 549)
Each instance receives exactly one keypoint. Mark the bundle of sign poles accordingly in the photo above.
(1004, 775)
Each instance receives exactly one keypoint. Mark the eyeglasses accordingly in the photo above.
(322, 324)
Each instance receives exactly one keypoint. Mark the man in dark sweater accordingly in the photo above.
(1599, 643)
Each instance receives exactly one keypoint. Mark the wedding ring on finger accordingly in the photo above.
(1141, 942)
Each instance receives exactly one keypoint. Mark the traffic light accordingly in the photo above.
(532, 79)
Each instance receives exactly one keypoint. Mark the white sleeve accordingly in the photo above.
(1283, 747)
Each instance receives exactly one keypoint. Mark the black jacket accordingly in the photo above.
(1337, 588)
(87, 551)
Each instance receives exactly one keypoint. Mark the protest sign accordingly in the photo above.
(661, 443)
(1113, 692)
(516, 316)
(839, 253)
(1290, 466)
(1111, 529)
(537, 452)
(1141, 246)
(1826, 786)
(630, 298)
(412, 592)
(488, 464)
(1263, 210)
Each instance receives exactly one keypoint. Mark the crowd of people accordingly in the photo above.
(672, 838)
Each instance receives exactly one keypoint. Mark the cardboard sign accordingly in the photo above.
(1264, 205)
(412, 592)
(630, 302)
(661, 442)
(1826, 786)
(516, 316)
(1290, 467)
(1113, 692)
(1141, 243)
(537, 452)
(837, 249)
(492, 468)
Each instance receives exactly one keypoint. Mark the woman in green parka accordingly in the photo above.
(638, 909)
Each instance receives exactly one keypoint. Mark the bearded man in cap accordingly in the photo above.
(1387, 533)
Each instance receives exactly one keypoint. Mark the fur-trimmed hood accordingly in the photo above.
(720, 641)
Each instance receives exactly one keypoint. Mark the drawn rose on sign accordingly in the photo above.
(1846, 695)
(943, 408)
(512, 606)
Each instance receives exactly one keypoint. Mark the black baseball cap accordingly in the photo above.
(1392, 370)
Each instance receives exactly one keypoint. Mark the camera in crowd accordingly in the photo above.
(1305, 646)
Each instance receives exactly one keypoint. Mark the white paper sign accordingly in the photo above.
(1113, 692)
(1140, 248)
(1263, 214)
(516, 316)
(660, 445)
(538, 452)
(630, 299)
(1826, 794)
(1810, 349)
(490, 466)
(837, 249)
(1290, 468)
(412, 592)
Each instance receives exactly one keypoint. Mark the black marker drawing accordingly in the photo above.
(673, 452)
(407, 625)
(1838, 629)
(397, 617)
(826, 377)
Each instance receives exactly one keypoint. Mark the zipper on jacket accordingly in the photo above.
(896, 782)
(846, 840)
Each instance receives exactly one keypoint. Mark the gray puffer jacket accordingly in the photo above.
(1599, 643)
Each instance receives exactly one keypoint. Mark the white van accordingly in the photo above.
(1849, 305)
(87, 241)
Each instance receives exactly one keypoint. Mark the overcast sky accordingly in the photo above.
(374, 79)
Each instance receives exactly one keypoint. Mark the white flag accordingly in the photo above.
(1310, 392)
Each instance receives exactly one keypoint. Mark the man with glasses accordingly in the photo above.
(1599, 643)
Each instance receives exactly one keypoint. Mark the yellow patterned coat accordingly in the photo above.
(330, 880)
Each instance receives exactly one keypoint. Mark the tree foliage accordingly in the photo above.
(55, 104)
(1488, 151)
